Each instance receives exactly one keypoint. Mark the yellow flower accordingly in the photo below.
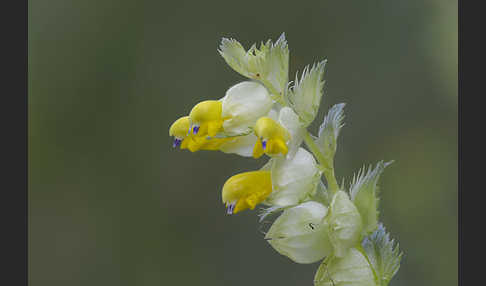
(226, 124)
(182, 137)
(246, 190)
(180, 129)
(206, 118)
(272, 138)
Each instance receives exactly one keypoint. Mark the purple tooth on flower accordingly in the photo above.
(177, 142)
(264, 144)
(195, 129)
(231, 208)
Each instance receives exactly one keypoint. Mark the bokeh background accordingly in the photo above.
(112, 203)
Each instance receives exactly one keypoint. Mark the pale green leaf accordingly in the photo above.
(364, 194)
(235, 55)
(329, 132)
(269, 64)
(305, 95)
(383, 254)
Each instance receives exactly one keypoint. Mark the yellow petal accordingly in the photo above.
(214, 127)
(276, 136)
(206, 116)
(258, 149)
(275, 147)
(205, 111)
(267, 128)
(247, 189)
(180, 127)
(203, 143)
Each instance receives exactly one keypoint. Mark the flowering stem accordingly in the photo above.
(327, 169)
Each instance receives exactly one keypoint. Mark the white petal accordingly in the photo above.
(299, 233)
(290, 120)
(242, 145)
(273, 113)
(293, 179)
(244, 103)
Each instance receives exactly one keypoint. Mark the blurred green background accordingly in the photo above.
(110, 201)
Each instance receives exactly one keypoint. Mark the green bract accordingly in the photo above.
(350, 270)
(300, 234)
(269, 64)
(364, 191)
(305, 95)
(344, 223)
(383, 255)
(329, 132)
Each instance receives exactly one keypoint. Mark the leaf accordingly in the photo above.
(235, 55)
(344, 223)
(364, 194)
(383, 254)
(305, 95)
(350, 270)
(329, 132)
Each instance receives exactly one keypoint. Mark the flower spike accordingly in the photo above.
(266, 114)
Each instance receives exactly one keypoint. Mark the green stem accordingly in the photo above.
(327, 169)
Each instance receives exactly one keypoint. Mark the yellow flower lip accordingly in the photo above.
(179, 129)
(183, 139)
(206, 118)
(272, 138)
(246, 190)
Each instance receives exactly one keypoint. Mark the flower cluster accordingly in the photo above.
(268, 115)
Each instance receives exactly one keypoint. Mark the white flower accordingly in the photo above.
(293, 179)
(301, 234)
